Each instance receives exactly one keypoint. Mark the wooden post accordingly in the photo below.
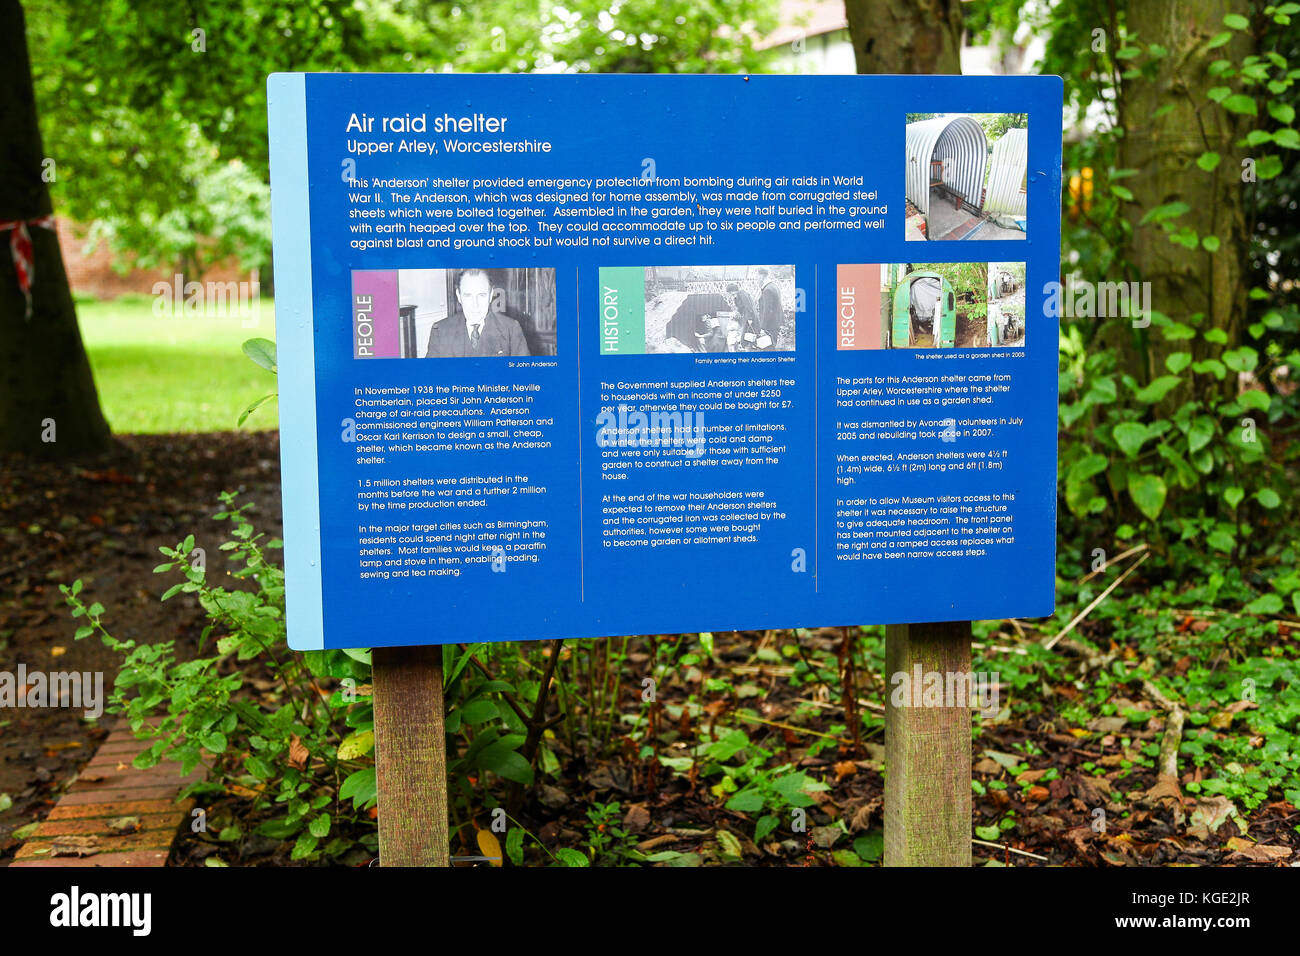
(927, 752)
(410, 756)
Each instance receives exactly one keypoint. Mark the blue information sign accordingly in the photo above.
(577, 356)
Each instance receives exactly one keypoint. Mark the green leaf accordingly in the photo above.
(727, 747)
(1256, 399)
(479, 712)
(1221, 540)
(1240, 103)
(1158, 389)
(1130, 436)
(504, 760)
(1217, 336)
(320, 826)
(1218, 40)
(360, 787)
(1243, 359)
(1169, 210)
(1268, 167)
(1213, 366)
(1284, 113)
(989, 834)
(254, 406)
(747, 801)
(1264, 604)
(571, 857)
(1122, 192)
(1233, 496)
(1148, 493)
(356, 745)
(1287, 138)
(1200, 432)
(214, 742)
(1087, 466)
(1268, 498)
(262, 352)
(1210, 243)
(1236, 21)
(1177, 361)
(1208, 161)
(304, 847)
(515, 845)
(766, 824)
(870, 846)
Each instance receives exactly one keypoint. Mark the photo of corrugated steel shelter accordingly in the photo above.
(1006, 304)
(966, 176)
(912, 305)
(720, 308)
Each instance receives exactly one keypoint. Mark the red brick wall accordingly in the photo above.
(94, 274)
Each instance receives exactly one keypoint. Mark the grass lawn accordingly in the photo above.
(177, 373)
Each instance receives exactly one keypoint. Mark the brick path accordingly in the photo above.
(109, 787)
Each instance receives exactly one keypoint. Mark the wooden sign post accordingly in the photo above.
(927, 753)
(410, 756)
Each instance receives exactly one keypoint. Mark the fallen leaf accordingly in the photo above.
(58, 651)
(654, 843)
(826, 836)
(845, 768)
(122, 825)
(489, 846)
(729, 845)
(1256, 852)
(298, 753)
(637, 818)
(1030, 776)
(1213, 812)
(1037, 794)
(75, 846)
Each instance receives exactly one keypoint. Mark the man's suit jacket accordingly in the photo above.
(501, 335)
(770, 312)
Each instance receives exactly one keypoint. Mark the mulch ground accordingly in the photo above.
(103, 522)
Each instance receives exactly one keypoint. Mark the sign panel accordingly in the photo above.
(576, 356)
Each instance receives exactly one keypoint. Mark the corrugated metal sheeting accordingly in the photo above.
(958, 141)
(1007, 175)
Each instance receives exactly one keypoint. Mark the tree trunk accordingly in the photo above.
(1163, 148)
(47, 396)
(905, 36)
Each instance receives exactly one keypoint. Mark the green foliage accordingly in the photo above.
(160, 132)
(292, 753)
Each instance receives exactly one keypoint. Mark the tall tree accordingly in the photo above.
(905, 36)
(1184, 214)
(48, 403)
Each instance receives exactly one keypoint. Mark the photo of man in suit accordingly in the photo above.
(475, 330)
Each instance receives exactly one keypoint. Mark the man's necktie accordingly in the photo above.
(473, 337)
